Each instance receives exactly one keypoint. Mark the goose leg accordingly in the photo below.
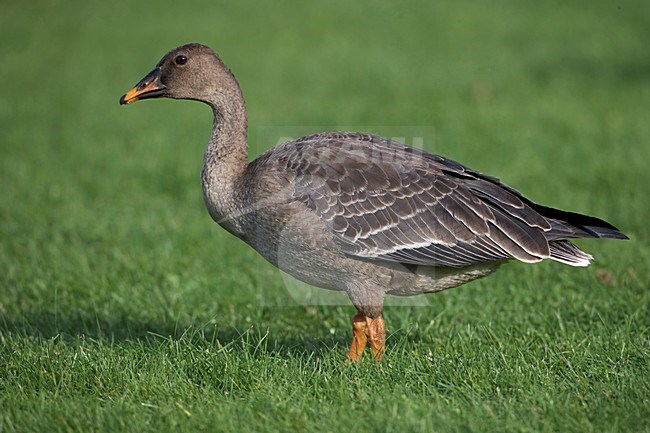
(376, 332)
(366, 329)
(359, 338)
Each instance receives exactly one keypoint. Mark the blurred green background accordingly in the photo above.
(124, 308)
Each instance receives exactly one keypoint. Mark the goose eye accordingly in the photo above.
(181, 60)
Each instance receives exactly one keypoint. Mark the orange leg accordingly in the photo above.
(359, 338)
(376, 332)
(363, 329)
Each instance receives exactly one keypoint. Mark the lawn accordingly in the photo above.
(123, 307)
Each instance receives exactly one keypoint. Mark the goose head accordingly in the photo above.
(192, 71)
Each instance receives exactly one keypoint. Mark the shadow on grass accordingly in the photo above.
(115, 330)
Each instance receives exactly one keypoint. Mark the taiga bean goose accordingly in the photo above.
(360, 213)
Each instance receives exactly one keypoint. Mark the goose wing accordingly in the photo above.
(385, 200)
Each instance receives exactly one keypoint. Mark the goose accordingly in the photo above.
(359, 213)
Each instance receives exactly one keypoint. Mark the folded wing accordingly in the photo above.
(385, 200)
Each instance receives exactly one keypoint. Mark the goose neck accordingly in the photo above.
(225, 157)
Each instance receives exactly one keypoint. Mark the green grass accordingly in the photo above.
(124, 308)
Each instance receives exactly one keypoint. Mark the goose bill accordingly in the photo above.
(149, 87)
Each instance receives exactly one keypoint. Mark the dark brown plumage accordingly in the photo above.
(360, 213)
(385, 200)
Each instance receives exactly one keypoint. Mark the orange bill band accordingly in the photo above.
(149, 87)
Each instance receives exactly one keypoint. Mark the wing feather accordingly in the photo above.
(384, 200)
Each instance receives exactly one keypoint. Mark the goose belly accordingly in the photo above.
(303, 247)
